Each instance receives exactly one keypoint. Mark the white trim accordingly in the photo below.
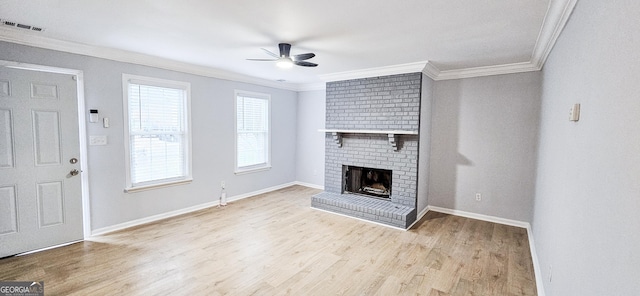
(436, 74)
(348, 131)
(321, 187)
(556, 18)
(532, 246)
(164, 83)
(251, 170)
(157, 186)
(536, 264)
(363, 220)
(375, 72)
(261, 191)
(84, 160)
(158, 217)
(258, 167)
(482, 217)
(14, 36)
(431, 71)
(82, 129)
(154, 218)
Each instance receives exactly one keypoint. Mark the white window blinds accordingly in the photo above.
(158, 133)
(252, 131)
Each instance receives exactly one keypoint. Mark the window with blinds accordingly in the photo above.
(252, 131)
(158, 138)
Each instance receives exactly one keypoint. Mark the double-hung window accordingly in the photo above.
(252, 131)
(157, 132)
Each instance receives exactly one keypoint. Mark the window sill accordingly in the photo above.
(157, 186)
(252, 170)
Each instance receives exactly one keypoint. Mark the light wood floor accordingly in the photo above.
(275, 244)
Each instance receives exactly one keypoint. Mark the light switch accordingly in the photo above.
(97, 140)
(105, 122)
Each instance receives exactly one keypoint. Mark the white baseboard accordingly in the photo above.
(170, 214)
(536, 264)
(137, 222)
(487, 218)
(532, 246)
(321, 187)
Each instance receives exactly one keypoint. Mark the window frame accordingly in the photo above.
(157, 82)
(252, 168)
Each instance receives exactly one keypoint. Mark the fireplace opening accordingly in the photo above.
(367, 181)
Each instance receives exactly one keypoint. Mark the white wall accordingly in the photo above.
(483, 139)
(212, 132)
(426, 104)
(586, 223)
(310, 142)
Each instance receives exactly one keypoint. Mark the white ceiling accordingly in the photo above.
(346, 36)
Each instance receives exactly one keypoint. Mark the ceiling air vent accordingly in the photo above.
(20, 26)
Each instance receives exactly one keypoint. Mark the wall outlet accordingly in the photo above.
(478, 196)
(223, 184)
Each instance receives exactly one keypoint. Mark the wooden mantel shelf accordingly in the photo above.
(348, 131)
(337, 134)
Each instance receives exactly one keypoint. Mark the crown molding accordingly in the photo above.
(13, 36)
(431, 71)
(436, 74)
(557, 16)
(558, 13)
(375, 72)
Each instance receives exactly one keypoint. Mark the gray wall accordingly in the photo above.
(212, 132)
(483, 139)
(586, 224)
(424, 149)
(310, 142)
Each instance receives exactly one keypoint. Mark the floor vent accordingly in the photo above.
(20, 26)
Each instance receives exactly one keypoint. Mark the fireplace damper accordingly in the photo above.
(367, 181)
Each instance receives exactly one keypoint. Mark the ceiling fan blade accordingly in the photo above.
(304, 56)
(285, 48)
(305, 64)
(270, 53)
(262, 60)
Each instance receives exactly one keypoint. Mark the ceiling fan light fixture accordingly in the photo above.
(284, 63)
(285, 60)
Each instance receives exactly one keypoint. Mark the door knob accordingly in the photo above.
(74, 172)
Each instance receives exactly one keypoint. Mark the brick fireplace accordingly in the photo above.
(371, 131)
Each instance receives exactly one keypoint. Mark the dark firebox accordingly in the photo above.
(367, 181)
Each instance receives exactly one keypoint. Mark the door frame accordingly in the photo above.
(82, 130)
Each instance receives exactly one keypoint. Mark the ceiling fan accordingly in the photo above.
(284, 60)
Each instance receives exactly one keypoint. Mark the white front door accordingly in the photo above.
(40, 186)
